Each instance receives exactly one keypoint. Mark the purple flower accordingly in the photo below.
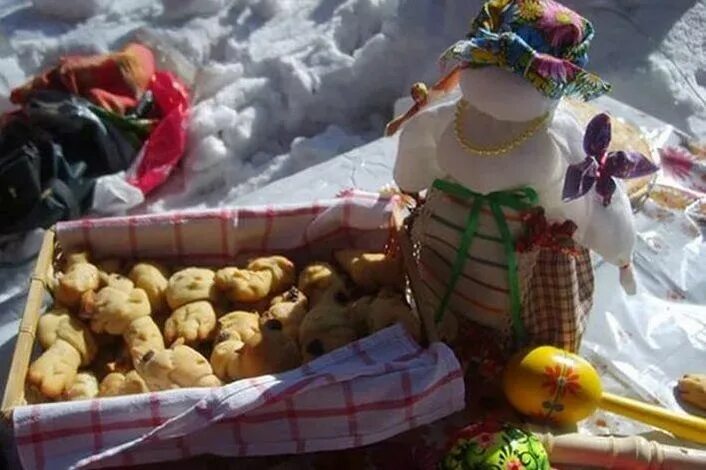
(600, 167)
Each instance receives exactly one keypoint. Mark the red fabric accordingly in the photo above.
(557, 295)
(166, 144)
(356, 397)
(542, 234)
(113, 81)
(116, 82)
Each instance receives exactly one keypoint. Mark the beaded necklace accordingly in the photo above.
(534, 126)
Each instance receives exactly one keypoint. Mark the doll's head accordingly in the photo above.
(518, 51)
(542, 42)
(504, 95)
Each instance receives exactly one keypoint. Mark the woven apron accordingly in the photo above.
(470, 268)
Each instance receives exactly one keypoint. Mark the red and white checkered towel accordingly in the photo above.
(215, 237)
(370, 390)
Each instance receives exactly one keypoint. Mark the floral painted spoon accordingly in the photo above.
(557, 386)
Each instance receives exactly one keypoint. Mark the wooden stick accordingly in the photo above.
(633, 452)
(15, 388)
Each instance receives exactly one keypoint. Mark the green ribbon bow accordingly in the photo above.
(519, 199)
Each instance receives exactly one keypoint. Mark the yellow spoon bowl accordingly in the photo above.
(554, 385)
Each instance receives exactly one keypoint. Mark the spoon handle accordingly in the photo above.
(633, 452)
(682, 425)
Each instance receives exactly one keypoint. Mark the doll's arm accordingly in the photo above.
(416, 164)
(609, 231)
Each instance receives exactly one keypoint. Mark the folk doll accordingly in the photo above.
(516, 192)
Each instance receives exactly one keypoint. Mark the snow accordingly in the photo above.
(174, 9)
(73, 10)
(280, 85)
(654, 53)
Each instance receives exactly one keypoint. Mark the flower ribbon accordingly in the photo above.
(519, 199)
(539, 233)
(600, 168)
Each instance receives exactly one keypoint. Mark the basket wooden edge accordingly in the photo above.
(410, 267)
(15, 386)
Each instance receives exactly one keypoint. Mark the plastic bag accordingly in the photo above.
(167, 142)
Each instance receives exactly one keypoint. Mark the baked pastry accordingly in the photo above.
(117, 383)
(153, 279)
(276, 352)
(266, 351)
(68, 344)
(371, 271)
(144, 333)
(233, 330)
(111, 310)
(320, 280)
(262, 277)
(179, 366)
(692, 389)
(281, 269)
(116, 281)
(79, 277)
(326, 327)
(260, 337)
(55, 370)
(190, 285)
(84, 387)
(289, 309)
(386, 309)
(194, 323)
(241, 285)
(237, 325)
(123, 313)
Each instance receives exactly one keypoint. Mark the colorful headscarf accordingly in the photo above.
(541, 40)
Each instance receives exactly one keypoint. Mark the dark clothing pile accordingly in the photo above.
(85, 118)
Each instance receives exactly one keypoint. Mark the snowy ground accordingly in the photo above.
(284, 84)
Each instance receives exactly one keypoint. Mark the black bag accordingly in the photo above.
(50, 154)
(82, 135)
(38, 187)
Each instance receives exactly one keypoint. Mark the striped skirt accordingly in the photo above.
(556, 288)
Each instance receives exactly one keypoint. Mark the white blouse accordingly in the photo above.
(428, 150)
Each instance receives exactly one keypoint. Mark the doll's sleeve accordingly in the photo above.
(609, 231)
(416, 164)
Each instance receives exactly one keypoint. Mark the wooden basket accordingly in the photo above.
(48, 255)
(15, 387)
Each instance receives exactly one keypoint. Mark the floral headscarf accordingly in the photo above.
(542, 40)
